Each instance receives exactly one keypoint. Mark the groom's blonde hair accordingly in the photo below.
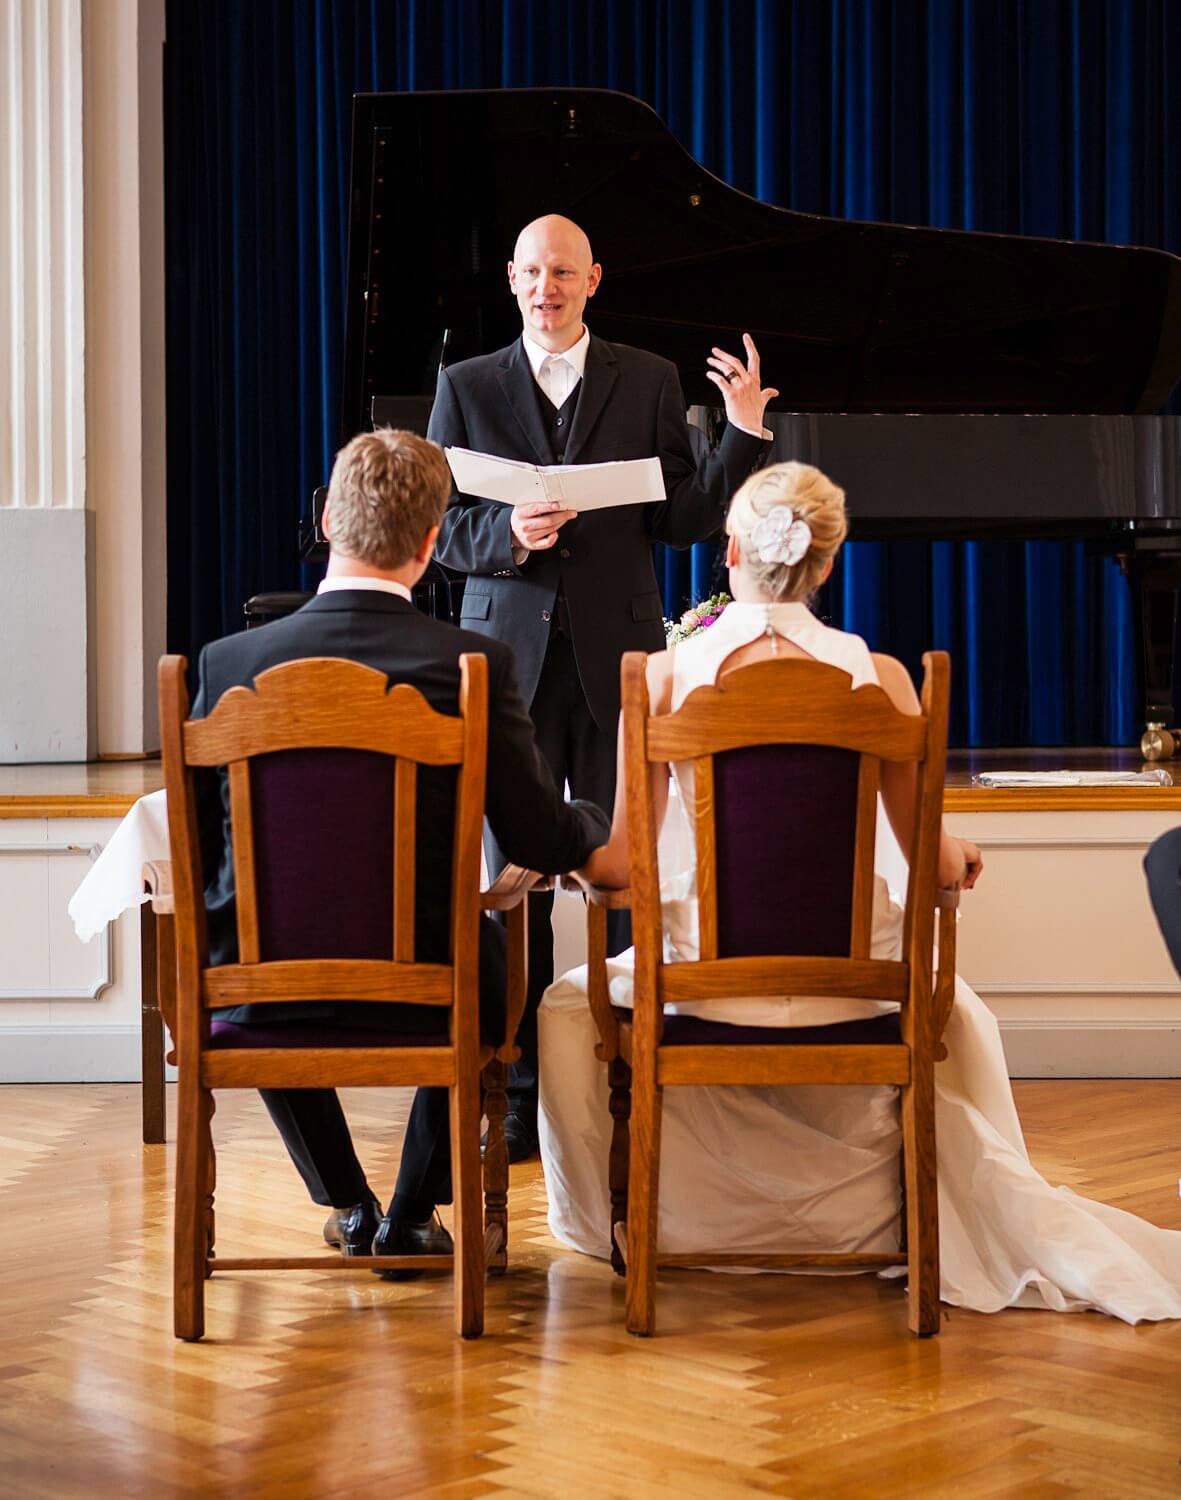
(813, 498)
(388, 488)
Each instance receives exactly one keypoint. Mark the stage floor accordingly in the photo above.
(340, 1386)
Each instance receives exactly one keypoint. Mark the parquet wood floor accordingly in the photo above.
(346, 1386)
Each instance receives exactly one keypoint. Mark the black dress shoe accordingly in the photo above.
(403, 1237)
(351, 1230)
(520, 1136)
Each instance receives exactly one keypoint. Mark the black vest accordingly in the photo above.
(557, 421)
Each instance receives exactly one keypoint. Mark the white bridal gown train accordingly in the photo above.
(793, 1169)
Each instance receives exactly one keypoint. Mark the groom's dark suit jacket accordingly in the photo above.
(629, 405)
(527, 813)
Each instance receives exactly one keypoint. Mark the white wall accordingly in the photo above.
(69, 1011)
(1060, 941)
(122, 52)
(81, 376)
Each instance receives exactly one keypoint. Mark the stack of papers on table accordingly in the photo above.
(635, 481)
(1073, 778)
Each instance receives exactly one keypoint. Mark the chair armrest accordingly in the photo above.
(947, 903)
(157, 878)
(511, 887)
(610, 899)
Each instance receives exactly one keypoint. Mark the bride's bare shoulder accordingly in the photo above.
(896, 682)
(660, 681)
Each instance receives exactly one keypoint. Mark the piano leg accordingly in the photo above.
(1153, 570)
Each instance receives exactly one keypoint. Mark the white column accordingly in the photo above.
(82, 562)
(42, 442)
(45, 677)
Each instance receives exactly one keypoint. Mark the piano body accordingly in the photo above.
(958, 385)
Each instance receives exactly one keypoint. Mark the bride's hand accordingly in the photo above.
(973, 864)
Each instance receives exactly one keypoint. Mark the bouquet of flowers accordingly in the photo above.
(700, 617)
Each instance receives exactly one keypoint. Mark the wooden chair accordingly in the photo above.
(323, 762)
(787, 759)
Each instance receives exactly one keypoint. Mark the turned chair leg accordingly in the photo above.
(496, 1168)
(643, 1203)
(151, 1030)
(922, 1201)
(619, 1077)
(210, 1181)
(469, 1237)
(191, 1227)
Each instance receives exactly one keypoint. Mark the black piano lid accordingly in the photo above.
(849, 317)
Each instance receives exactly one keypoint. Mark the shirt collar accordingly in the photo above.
(375, 585)
(575, 356)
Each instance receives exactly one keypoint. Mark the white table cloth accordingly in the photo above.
(115, 881)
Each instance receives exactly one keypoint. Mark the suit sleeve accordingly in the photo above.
(476, 535)
(533, 823)
(698, 492)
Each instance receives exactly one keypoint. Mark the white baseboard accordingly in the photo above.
(70, 1054)
(1034, 1049)
(1116, 1048)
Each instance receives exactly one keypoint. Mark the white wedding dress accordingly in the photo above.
(792, 1169)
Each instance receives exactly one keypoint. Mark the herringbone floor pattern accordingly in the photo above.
(347, 1386)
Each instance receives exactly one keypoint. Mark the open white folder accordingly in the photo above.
(634, 481)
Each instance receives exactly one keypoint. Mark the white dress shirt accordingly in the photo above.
(376, 585)
(557, 374)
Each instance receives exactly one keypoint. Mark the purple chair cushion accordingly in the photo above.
(692, 1031)
(786, 824)
(323, 850)
(227, 1035)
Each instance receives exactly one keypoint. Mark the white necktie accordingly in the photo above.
(556, 378)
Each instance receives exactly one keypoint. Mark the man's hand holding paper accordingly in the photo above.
(536, 525)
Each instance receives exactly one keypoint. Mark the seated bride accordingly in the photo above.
(788, 1170)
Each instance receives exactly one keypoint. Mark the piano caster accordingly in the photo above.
(1159, 743)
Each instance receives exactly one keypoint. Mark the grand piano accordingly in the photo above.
(957, 384)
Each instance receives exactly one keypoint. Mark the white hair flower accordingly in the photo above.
(781, 537)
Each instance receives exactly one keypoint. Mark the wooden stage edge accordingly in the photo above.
(107, 789)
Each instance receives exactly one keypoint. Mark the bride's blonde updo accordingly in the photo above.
(813, 498)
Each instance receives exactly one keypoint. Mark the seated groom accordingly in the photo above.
(385, 500)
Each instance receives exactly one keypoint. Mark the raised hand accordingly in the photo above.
(536, 525)
(740, 385)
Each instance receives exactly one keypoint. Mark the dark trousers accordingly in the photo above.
(316, 1133)
(581, 754)
(1162, 865)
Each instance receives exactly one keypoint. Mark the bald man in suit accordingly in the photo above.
(571, 593)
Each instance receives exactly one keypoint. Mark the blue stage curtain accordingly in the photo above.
(1047, 117)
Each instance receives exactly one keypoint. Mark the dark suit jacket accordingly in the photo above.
(528, 815)
(630, 406)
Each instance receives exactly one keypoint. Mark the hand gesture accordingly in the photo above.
(739, 383)
(536, 525)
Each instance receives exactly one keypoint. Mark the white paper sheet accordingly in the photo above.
(636, 481)
(1073, 778)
